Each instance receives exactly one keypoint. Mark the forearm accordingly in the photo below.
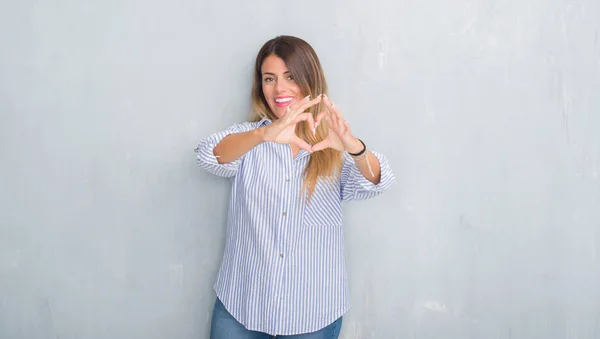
(373, 174)
(233, 146)
(367, 162)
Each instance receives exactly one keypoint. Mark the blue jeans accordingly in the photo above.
(224, 326)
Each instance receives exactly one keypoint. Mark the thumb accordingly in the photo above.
(301, 143)
(321, 145)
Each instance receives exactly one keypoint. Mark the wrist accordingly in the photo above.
(355, 147)
(260, 133)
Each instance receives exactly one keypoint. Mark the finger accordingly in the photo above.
(341, 124)
(334, 121)
(332, 107)
(321, 145)
(297, 103)
(308, 117)
(301, 143)
(308, 103)
(320, 117)
(347, 125)
(287, 111)
(327, 102)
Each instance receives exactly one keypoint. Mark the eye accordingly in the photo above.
(290, 77)
(268, 79)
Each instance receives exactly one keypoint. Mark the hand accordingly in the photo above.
(283, 130)
(339, 136)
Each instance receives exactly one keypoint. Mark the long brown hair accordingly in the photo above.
(305, 68)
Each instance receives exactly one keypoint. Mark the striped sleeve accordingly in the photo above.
(354, 186)
(205, 151)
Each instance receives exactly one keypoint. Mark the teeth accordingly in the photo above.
(283, 100)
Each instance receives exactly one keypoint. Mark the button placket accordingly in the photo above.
(283, 235)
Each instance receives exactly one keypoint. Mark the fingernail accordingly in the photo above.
(307, 98)
(315, 130)
(325, 95)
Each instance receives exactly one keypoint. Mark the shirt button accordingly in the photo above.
(287, 180)
(281, 255)
(284, 214)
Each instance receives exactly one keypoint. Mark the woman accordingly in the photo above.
(283, 272)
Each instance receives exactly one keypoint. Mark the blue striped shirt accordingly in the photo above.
(283, 269)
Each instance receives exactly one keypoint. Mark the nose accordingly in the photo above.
(280, 86)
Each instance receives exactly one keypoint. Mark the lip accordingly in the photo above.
(283, 104)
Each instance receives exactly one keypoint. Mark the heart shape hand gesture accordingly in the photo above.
(283, 130)
(339, 136)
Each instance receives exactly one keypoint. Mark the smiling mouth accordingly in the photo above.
(284, 101)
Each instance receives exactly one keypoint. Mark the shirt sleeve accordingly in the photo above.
(354, 186)
(207, 159)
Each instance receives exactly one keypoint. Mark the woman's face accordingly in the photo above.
(278, 86)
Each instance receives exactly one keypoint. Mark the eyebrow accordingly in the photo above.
(269, 73)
